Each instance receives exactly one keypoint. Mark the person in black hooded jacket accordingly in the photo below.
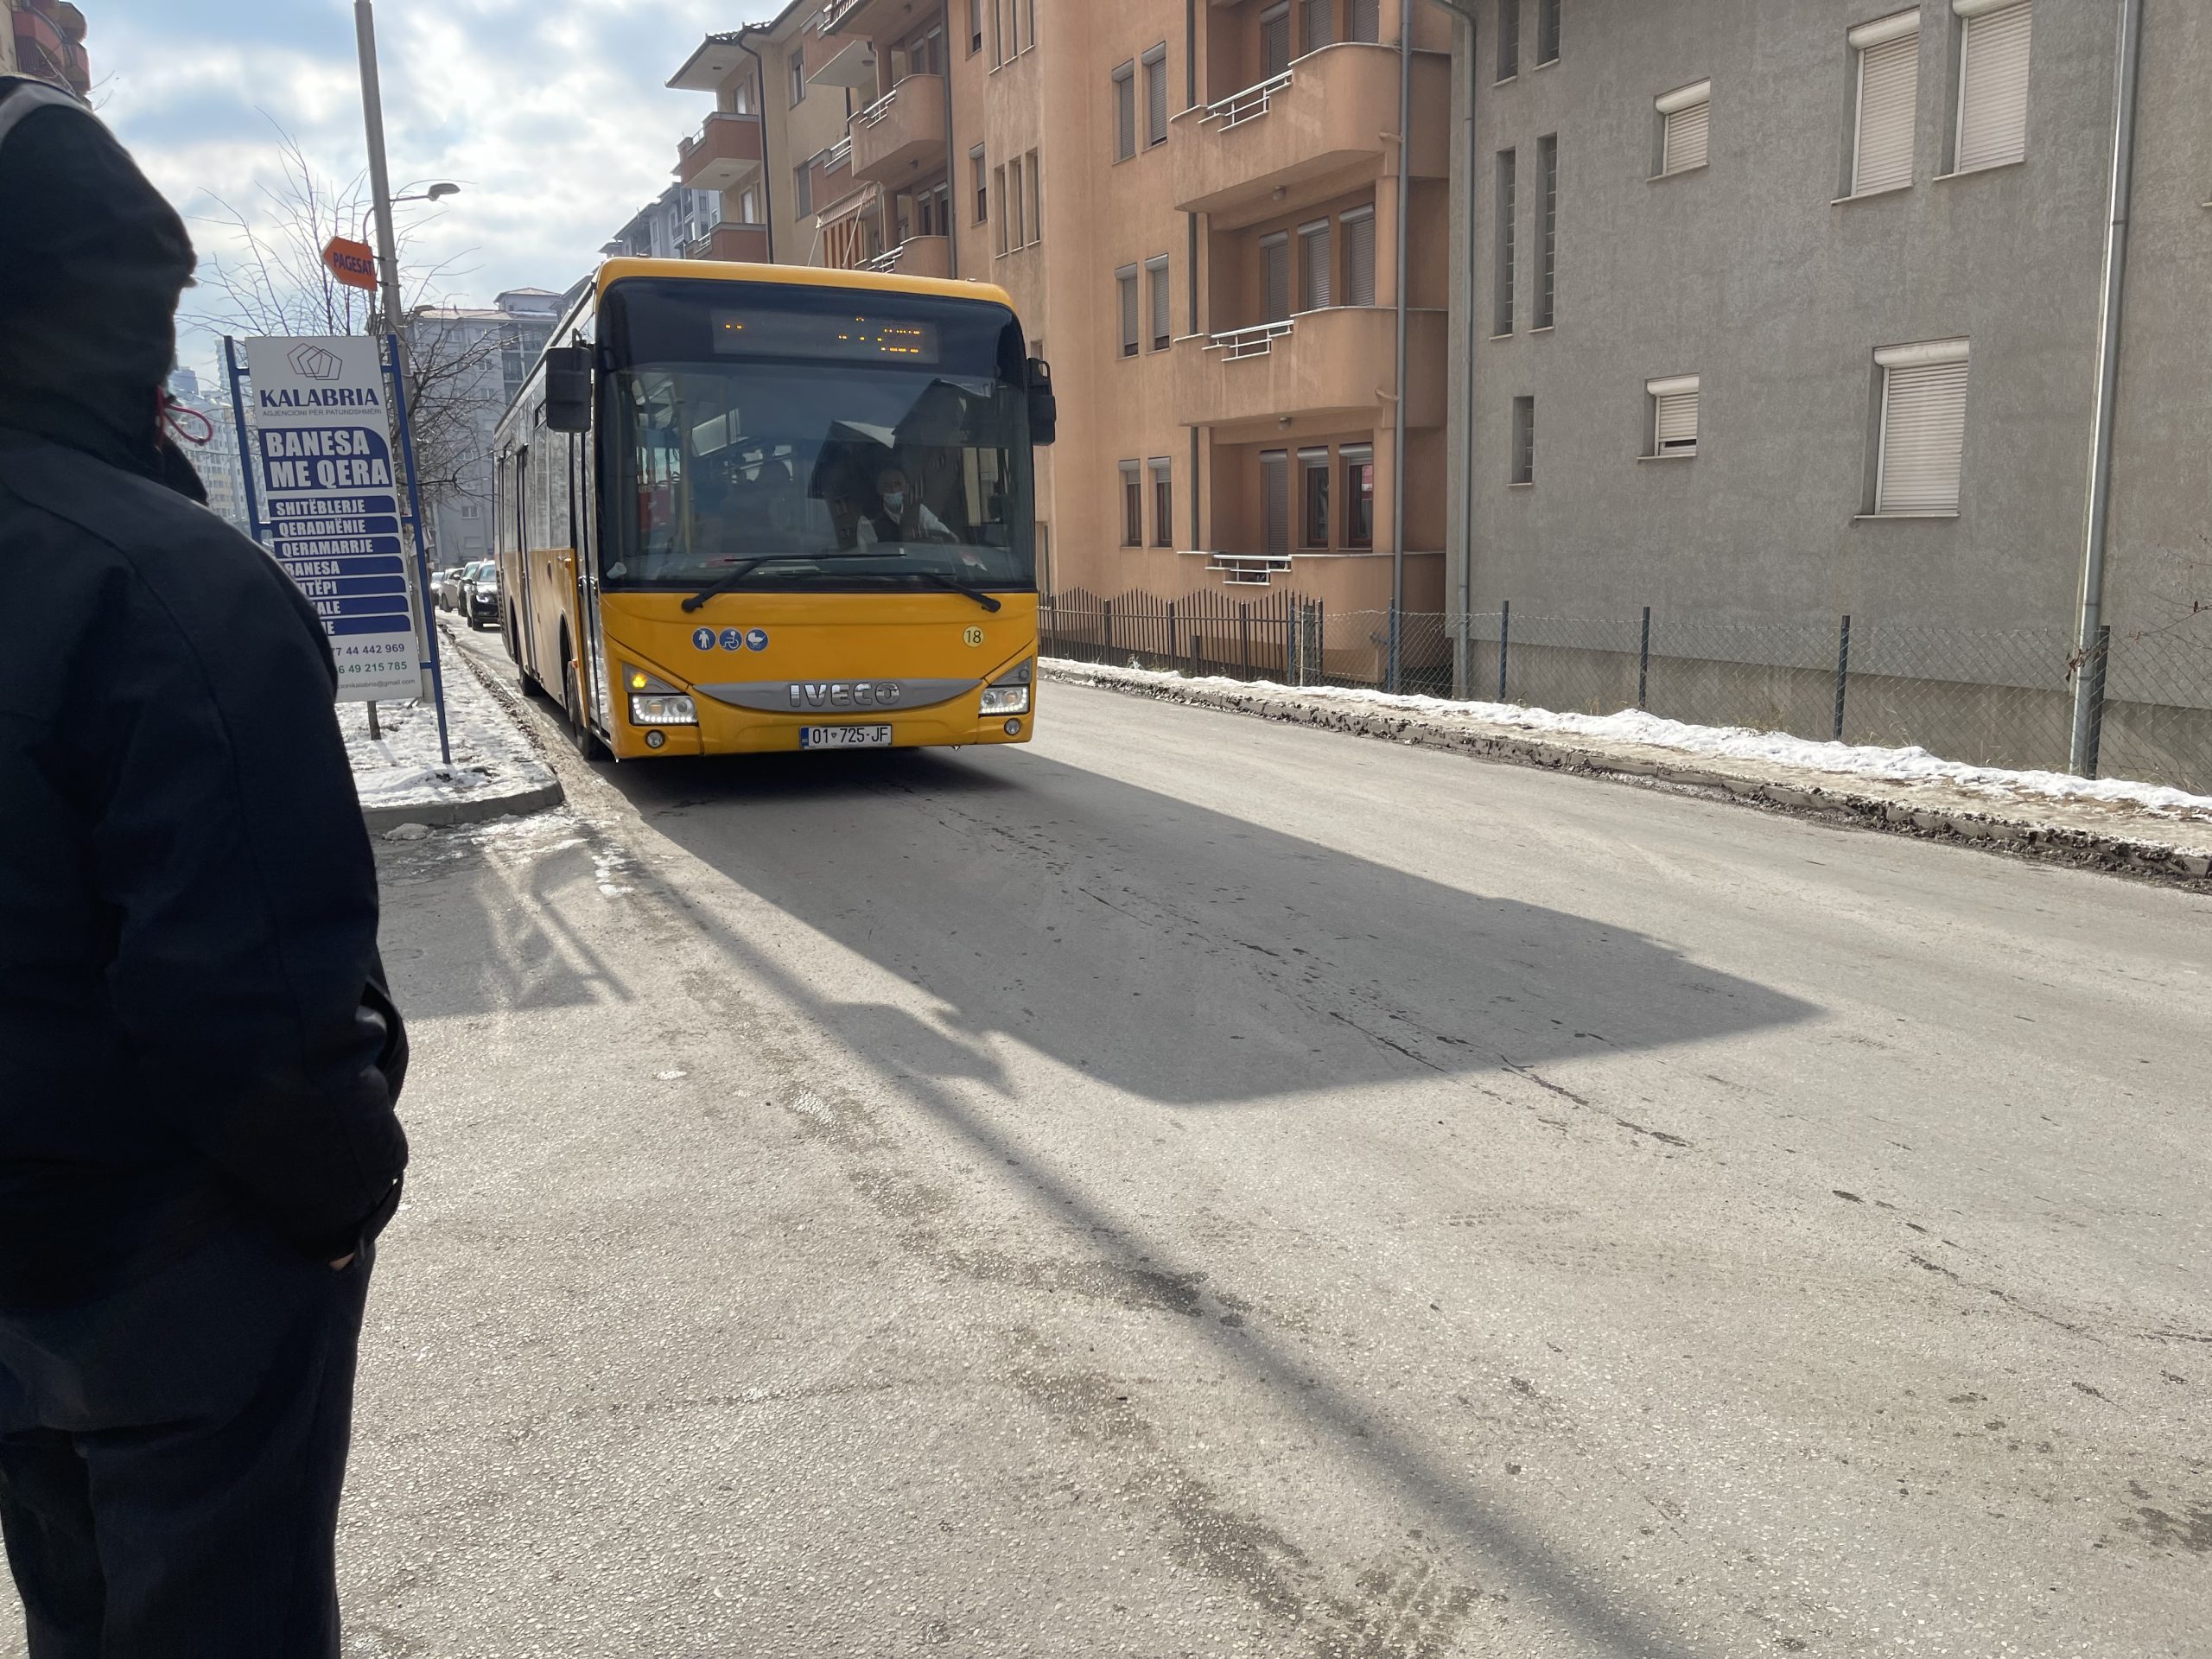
(198, 1055)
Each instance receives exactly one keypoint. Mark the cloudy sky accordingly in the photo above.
(552, 114)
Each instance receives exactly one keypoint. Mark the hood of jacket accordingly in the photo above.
(92, 266)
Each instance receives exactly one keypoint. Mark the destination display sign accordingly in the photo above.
(330, 493)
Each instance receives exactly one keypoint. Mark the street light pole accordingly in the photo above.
(364, 33)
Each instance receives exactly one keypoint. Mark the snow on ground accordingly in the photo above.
(1901, 766)
(491, 756)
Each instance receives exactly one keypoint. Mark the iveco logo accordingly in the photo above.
(846, 694)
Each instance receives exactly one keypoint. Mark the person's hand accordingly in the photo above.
(343, 1262)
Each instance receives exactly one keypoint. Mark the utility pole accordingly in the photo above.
(364, 35)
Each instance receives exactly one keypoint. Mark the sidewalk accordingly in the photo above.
(496, 771)
(2104, 823)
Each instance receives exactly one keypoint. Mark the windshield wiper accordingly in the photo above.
(744, 567)
(940, 580)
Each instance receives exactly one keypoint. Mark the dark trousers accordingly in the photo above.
(206, 1532)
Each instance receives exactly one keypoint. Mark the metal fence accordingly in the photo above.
(1984, 698)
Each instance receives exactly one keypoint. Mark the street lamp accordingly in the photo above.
(435, 192)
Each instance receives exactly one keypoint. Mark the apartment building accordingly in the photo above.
(45, 39)
(1203, 215)
(1795, 309)
(473, 360)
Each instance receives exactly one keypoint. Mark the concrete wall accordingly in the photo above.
(1748, 274)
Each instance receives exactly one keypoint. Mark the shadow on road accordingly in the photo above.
(1193, 958)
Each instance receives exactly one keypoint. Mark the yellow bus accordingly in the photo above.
(757, 508)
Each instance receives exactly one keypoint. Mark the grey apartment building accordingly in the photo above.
(1773, 312)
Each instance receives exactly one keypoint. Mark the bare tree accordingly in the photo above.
(270, 278)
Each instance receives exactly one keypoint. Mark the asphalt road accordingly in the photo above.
(1197, 1187)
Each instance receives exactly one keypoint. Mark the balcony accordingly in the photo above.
(1330, 367)
(918, 256)
(872, 19)
(902, 133)
(724, 155)
(47, 44)
(1317, 131)
(744, 244)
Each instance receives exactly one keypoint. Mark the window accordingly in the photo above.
(1359, 255)
(1547, 240)
(1524, 441)
(1017, 229)
(1163, 501)
(1684, 128)
(1316, 26)
(748, 206)
(1275, 494)
(1502, 297)
(1155, 96)
(998, 183)
(1546, 32)
(802, 187)
(1673, 414)
(1126, 280)
(975, 27)
(1275, 40)
(1313, 497)
(798, 78)
(1035, 175)
(1993, 82)
(1509, 39)
(1275, 277)
(1358, 462)
(1125, 111)
(1924, 427)
(982, 184)
(1366, 22)
(742, 101)
(1163, 328)
(1889, 81)
(1314, 248)
(1132, 505)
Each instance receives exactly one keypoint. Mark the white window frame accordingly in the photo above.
(1872, 37)
(1924, 359)
(1971, 13)
(1667, 390)
(1684, 110)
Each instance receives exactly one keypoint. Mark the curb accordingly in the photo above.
(441, 815)
(2027, 836)
(444, 815)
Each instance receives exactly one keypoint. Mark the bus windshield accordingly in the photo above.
(841, 438)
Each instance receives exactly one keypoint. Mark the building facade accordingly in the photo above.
(469, 362)
(1792, 310)
(1197, 209)
(216, 460)
(45, 39)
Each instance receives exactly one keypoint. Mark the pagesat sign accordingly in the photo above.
(351, 263)
(323, 456)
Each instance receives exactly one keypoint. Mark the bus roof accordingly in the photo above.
(724, 270)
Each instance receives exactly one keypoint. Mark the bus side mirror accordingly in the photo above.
(1044, 408)
(568, 388)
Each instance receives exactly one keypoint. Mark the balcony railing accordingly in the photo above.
(900, 132)
(1257, 341)
(1248, 569)
(1248, 105)
(724, 155)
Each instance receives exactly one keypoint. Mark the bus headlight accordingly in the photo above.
(654, 702)
(1010, 693)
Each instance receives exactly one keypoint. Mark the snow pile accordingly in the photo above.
(401, 768)
(1900, 766)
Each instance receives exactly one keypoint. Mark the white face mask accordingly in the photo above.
(895, 503)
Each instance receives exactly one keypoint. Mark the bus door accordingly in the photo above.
(527, 624)
(582, 530)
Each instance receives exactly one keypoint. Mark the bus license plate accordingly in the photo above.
(844, 737)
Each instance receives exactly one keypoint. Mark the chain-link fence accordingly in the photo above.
(1985, 697)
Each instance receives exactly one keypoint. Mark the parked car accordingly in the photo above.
(481, 596)
(450, 587)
